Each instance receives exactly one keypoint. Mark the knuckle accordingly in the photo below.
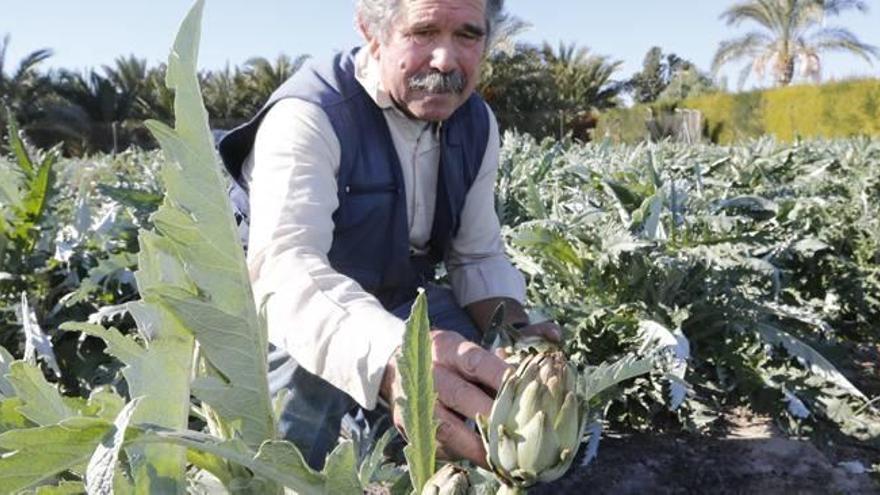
(445, 430)
(458, 397)
(472, 359)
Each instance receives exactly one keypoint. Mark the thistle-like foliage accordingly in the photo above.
(750, 261)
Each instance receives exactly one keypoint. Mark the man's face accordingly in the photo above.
(430, 60)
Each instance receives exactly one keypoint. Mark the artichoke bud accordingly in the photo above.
(536, 422)
(449, 480)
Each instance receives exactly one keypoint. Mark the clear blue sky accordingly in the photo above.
(91, 33)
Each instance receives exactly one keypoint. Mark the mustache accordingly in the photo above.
(437, 82)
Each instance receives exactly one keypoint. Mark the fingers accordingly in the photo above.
(459, 395)
(546, 329)
(457, 440)
(468, 359)
(454, 438)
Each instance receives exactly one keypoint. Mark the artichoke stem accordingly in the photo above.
(511, 490)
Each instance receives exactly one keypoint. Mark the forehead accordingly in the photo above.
(434, 11)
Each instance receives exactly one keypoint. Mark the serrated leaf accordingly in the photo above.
(809, 357)
(534, 205)
(417, 406)
(37, 344)
(195, 267)
(341, 472)
(42, 403)
(278, 461)
(10, 417)
(6, 360)
(656, 337)
(371, 465)
(653, 226)
(38, 454)
(17, 145)
(101, 469)
(595, 380)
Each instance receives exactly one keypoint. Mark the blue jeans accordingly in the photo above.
(313, 410)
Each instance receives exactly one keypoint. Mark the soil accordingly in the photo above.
(752, 458)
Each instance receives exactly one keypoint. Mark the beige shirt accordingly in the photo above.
(325, 320)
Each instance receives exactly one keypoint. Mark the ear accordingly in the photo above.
(371, 38)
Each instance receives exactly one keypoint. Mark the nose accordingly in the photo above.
(443, 56)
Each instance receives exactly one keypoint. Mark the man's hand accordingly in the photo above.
(466, 378)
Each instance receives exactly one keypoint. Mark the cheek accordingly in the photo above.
(471, 64)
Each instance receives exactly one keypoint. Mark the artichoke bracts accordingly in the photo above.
(537, 421)
(449, 480)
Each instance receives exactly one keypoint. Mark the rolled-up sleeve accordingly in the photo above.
(477, 265)
(325, 320)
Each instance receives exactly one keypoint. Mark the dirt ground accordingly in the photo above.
(753, 457)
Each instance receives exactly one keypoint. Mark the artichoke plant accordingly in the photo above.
(536, 423)
(449, 480)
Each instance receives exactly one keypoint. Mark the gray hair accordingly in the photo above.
(377, 16)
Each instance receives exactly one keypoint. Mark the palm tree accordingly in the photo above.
(585, 86)
(264, 77)
(22, 90)
(792, 36)
(582, 78)
(89, 114)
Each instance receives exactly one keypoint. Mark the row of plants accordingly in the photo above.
(760, 263)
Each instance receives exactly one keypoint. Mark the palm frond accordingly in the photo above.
(842, 40)
(749, 45)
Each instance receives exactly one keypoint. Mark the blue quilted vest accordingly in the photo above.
(371, 233)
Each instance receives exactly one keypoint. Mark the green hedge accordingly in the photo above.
(834, 110)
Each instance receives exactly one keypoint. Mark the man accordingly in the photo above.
(363, 174)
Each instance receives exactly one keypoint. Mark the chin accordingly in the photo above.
(435, 108)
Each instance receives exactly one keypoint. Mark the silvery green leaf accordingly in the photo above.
(37, 344)
(6, 359)
(278, 461)
(654, 336)
(593, 435)
(754, 206)
(99, 476)
(39, 454)
(192, 269)
(654, 229)
(107, 313)
(808, 357)
(43, 403)
(417, 379)
(340, 471)
(598, 378)
(810, 246)
(370, 467)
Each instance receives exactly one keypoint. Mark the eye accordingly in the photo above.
(422, 36)
(469, 38)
